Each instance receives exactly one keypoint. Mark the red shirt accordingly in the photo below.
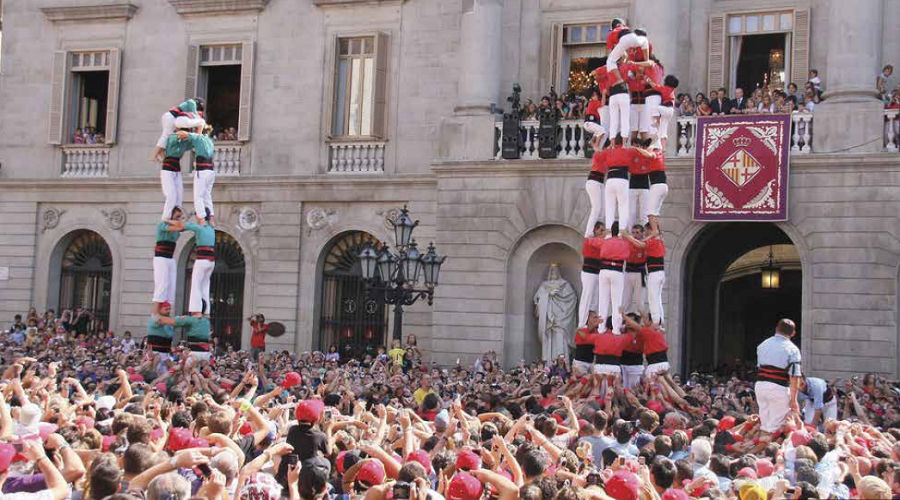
(609, 344)
(593, 108)
(258, 337)
(615, 249)
(658, 162)
(634, 344)
(642, 165)
(655, 73)
(613, 37)
(620, 157)
(633, 75)
(598, 161)
(637, 255)
(592, 248)
(602, 79)
(585, 337)
(654, 340)
(655, 248)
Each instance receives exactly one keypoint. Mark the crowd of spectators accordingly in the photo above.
(89, 135)
(224, 134)
(95, 416)
(763, 100)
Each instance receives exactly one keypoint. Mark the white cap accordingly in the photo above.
(107, 402)
(30, 415)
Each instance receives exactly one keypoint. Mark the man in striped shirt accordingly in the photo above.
(778, 377)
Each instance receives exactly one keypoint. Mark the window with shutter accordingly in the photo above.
(716, 68)
(800, 49)
(84, 103)
(58, 97)
(359, 108)
(379, 111)
(246, 103)
(222, 74)
(112, 94)
(190, 82)
(556, 41)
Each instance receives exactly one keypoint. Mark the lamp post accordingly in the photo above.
(770, 273)
(393, 279)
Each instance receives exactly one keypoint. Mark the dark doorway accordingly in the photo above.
(223, 96)
(226, 290)
(86, 280)
(728, 313)
(349, 318)
(760, 63)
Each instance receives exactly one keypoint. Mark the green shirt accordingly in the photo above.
(205, 235)
(202, 144)
(154, 328)
(163, 233)
(197, 329)
(176, 148)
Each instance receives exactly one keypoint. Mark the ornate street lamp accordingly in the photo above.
(770, 274)
(397, 275)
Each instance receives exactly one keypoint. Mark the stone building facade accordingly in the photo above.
(295, 189)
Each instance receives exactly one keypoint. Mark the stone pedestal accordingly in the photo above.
(850, 118)
(467, 136)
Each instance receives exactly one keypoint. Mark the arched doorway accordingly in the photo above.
(347, 317)
(86, 280)
(226, 289)
(728, 309)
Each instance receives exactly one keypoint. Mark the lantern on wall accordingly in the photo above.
(770, 274)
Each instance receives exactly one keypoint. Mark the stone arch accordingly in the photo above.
(526, 268)
(677, 294)
(51, 249)
(183, 253)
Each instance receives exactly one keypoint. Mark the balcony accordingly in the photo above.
(570, 146)
(85, 160)
(801, 134)
(356, 156)
(891, 130)
(227, 158)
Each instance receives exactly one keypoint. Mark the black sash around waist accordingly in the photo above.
(596, 176)
(196, 344)
(655, 264)
(206, 253)
(651, 92)
(159, 344)
(631, 358)
(639, 181)
(774, 374)
(203, 163)
(668, 104)
(658, 357)
(620, 88)
(584, 353)
(591, 266)
(617, 173)
(612, 265)
(605, 359)
(164, 249)
(172, 164)
(637, 98)
(657, 177)
(635, 267)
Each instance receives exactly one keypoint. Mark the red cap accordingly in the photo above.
(180, 438)
(675, 495)
(623, 485)
(310, 410)
(161, 387)
(246, 429)
(339, 462)
(7, 452)
(582, 423)
(764, 467)
(372, 473)
(558, 418)
(422, 457)
(584, 381)
(464, 486)
(165, 304)
(135, 377)
(107, 442)
(656, 406)
(747, 472)
(726, 424)
(467, 460)
(799, 438)
(290, 380)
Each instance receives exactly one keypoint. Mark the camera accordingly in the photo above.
(594, 478)
(401, 490)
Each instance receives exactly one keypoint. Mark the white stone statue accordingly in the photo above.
(556, 307)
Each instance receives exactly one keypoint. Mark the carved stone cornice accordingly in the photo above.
(329, 3)
(121, 11)
(188, 7)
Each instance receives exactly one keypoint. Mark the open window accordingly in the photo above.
(360, 86)
(222, 75)
(575, 52)
(84, 104)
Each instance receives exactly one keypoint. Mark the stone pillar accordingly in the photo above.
(469, 133)
(890, 35)
(850, 118)
(661, 20)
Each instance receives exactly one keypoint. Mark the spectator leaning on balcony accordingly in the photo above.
(739, 103)
(815, 80)
(881, 82)
(722, 104)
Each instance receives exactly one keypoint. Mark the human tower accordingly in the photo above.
(623, 272)
(183, 129)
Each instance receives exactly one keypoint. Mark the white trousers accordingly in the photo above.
(650, 109)
(774, 405)
(203, 186)
(829, 410)
(165, 274)
(631, 375)
(619, 115)
(200, 355)
(596, 129)
(665, 116)
(580, 368)
(637, 207)
(595, 194)
(655, 199)
(654, 368)
(168, 128)
(589, 284)
(655, 282)
(634, 292)
(200, 279)
(626, 42)
(616, 194)
(612, 284)
(173, 190)
(635, 117)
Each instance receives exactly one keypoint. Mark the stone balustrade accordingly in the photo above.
(85, 160)
(227, 158)
(569, 145)
(891, 130)
(356, 156)
(801, 134)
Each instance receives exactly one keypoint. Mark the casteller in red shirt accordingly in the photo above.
(258, 337)
(608, 347)
(654, 340)
(615, 249)
(612, 39)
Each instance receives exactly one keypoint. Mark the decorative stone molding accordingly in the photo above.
(248, 219)
(328, 3)
(188, 7)
(390, 215)
(50, 218)
(122, 11)
(115, 218)
(318, 218)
